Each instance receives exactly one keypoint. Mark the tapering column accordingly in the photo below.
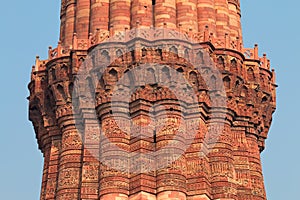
(221, 160)
(46, 156)
(119, 15)
(257, 181)
(70, 22)
(53, 167)
(187, 15)
(114, 151)
(222, 18)
(206, 15)
(82, 19)
(241, 161)
(62, 21)
(90, 161)
(99, 15)
(170, 149)
(235, 19)
(45, 146)
(198, 168)
(70, 162)
(141, 126)
(165, 14)
(141, 14)
(142, 147)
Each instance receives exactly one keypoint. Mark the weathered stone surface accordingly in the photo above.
(159, 148)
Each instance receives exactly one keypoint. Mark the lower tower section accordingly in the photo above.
(152, 114)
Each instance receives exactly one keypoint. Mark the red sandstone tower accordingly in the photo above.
(221, 160)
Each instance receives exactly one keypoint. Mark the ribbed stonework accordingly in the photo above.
(226, 169)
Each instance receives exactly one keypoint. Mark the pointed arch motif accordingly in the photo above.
(186, 55)
(144, 52)
(151, 76)
(244, 92)
(199, 57)
(194, 78)
(180, 70)
(173, 52)
(264, 99)
(221, 63)
(119, 55)
(233, 65)
(213, 83)
(104, 57)
(227, 82)
(91, 86)
(113, 75)
(250, 74)
(166, 77)
(61, 91)
(129, 80)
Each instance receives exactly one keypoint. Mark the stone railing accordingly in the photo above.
(152, 34)
(59, 51)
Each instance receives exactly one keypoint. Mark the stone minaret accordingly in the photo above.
(157, 157)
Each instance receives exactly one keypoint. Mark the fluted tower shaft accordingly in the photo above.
(153, 100)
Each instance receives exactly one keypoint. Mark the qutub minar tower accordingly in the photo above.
(219, 161)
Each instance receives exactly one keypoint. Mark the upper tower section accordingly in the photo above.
(214, 24)
(208, 20)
